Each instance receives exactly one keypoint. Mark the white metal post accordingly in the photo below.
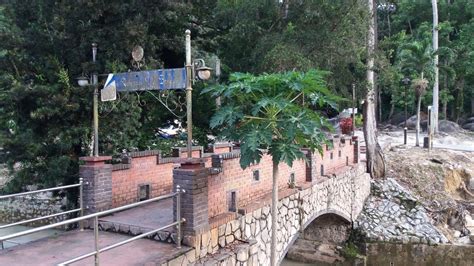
(96, 240)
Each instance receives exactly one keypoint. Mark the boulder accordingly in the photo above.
(396, 119)
(411, 122)
(448, 126)
(469, 120)
(469, 126)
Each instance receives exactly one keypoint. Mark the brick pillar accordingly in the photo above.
(310, 177)
(192, 177)
(355, 141)
(97, 177)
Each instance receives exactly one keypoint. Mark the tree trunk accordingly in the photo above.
(445, 102)
(379, 94)
(445, 110)
(459, 98)
(418, 107)
(273, 255)
(375, 162)
(472, 105)
(392, 109)
(436, 69)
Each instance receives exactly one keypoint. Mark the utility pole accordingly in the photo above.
(189, 94)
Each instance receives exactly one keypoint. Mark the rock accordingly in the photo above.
(471, 183)
(397, 118)
(411, 122)
(448, 126)
(222, 230)
(222, 241)
(457, 234)
(228, 229)
(235, 225)
(469, 126)
(205, 238)
(214, 237)
(229, 239)
(469, 120)
(385, 219)
(242, 254)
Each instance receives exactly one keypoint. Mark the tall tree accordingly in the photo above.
(435, 66)
(375, 162)
(267, 114)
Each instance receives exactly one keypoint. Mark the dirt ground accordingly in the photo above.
(439, 178)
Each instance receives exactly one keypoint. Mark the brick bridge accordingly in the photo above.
(227, 209)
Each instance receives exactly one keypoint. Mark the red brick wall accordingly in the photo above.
(233, 177)
(195, 154)
(143, 170)
(222, 149)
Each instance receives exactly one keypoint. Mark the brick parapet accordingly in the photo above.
(221, 148)
(97, 176)
(182, 152)
(193, 178)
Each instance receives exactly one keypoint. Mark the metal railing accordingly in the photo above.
(96, 216)
(80, 210)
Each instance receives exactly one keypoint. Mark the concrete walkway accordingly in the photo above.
(27, 238)
(150, 216)
(60, 248)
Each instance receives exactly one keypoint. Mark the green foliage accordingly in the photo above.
(46, 119)
(266, 113)
(359, 120)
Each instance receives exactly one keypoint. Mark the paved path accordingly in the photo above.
(27, 238)
(151, 216)
(54, 250)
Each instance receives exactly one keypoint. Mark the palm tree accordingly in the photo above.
(417, 57)
(420, 86)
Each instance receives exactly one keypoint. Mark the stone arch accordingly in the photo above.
(344, 216)
(337, 215)
(328, 228)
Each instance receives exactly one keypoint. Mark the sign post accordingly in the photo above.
(160, 79)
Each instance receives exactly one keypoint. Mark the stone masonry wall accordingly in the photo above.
(342, 194)
(28, 207)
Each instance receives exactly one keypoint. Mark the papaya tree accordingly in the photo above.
(273, 114)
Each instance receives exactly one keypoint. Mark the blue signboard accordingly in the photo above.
(159, 79)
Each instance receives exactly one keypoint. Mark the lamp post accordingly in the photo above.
(196, 69)
(406, 81)
(83, 82)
